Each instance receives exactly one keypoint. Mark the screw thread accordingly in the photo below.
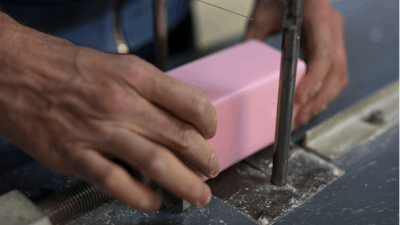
(76, 199)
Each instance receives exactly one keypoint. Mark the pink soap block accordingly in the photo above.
(242, 83)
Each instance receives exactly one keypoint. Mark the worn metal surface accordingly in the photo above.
(247, 186)
(344, 131)
(217, 212)
(367, 194)
(287, 80)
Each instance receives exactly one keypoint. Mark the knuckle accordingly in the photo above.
(157, 162)
(65, 157)
(132, 59)
(73, 150)
(109, 177)
(83, 166)
(190, 189)
(118, 100)
(189, 137)
(199, 103)
(117, 94)
(203, 110)
(139, 74)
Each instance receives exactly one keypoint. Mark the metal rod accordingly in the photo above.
(161, 33)
(290, 48)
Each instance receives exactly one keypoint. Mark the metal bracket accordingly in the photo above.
(338, 135)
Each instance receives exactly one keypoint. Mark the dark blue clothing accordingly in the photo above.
(91, 22)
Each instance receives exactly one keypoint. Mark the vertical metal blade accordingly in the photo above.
(290, 48)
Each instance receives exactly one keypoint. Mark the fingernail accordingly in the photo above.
(214, 161)
(216, 171)
(206, 197)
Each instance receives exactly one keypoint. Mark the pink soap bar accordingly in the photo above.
(242, 83)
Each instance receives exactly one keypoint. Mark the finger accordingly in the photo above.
(318, 51)
(265, 11)
(182, 138)
(183, 100)
(90, 165)
(191, 167)
(160, 165)
(296, 110)
(337, 56)
(334, 84)
(317, 70)
(338, 36)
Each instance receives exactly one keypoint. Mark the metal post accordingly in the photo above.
(161, 33)
(290, 48)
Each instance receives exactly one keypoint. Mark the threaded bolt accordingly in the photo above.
(74, 200)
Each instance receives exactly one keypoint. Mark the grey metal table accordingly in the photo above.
(367, 194)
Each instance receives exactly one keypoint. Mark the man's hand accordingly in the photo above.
(71, 107)
(324, 50)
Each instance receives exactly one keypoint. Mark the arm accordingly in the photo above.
(69, 107)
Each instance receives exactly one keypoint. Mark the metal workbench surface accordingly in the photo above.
(366, 194)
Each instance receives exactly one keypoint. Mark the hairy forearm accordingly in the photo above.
(32, 65)
(28, 54)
